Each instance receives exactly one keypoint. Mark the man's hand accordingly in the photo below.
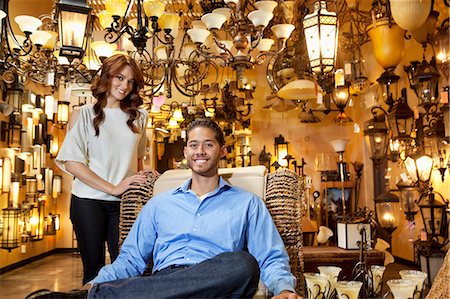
(286, 295)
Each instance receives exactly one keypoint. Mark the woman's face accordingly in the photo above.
(121, 84)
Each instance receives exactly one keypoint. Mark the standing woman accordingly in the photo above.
(103, 150)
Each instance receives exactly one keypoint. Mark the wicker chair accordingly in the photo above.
(281, 190)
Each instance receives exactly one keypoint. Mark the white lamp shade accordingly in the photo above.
(213, 20)
(161, 53)
(324, 234)
(198, 35)
(235, 2)
(28, 23)
(2, 14)
(300, 90)
(410, 14)
(339, 144)
(103, 49)
(228, 44)
(260, 17)
(223, 11)
(265, 44)
(51, 42)
(169, 21)
(283, 31)
(266, 5)
(40, 37)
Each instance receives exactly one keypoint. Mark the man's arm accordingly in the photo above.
(265, 244)
(136, 250)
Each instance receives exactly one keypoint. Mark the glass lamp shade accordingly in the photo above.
(317, 285)
(301, 89)
(388, 210)
(2, 14)
(154, 8)
(401, 120)
(419, 167)
(410, 15)
(266, 5)
(339, 145)
(28, 24)
(281, 150)
(178, 115)
(73, 17)
(116, 7)
(223, 11)
(401, 288)
(15, 97)
(103, 49)
(213, 20)
(283, 31)
(348, 289)
(105, 18)
(341, 97)
(377, 275)
(169, 22)
(51, 42)
(433, 213)
(417, 276)
(321, 38)
(40, 37)
(63, 112)
(10, 239)
(387, 42)
(260, 18)
(264, 44)
(422, 33)
(173, 124)
(198, 35)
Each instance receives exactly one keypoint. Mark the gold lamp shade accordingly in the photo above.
(388, 43)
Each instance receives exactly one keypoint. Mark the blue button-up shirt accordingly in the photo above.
(179, 229)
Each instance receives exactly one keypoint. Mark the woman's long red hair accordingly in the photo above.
(102, 85)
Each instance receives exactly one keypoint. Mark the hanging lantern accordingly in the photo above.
(434, 216)
(73, 18)
(401, 119)
(409, 196)
(388, 210)
(423, 79)
(376, 133)
(321, 38)
(388, 81)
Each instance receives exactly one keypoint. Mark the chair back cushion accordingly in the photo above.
(251, 178)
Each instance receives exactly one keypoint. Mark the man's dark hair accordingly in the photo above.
(210, 124)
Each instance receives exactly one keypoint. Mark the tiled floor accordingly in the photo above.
(63, 272)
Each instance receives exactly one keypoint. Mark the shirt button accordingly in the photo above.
(194, 229)
(188, 259)
(198, 214)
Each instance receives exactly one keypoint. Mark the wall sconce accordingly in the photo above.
(54, 146)
(6, 177)
(10, 239)
(15, 97)
(31, 188)
(52, 224)
(388, 82)
(15, 191)
(49, 106)
(37, 221)
(281, 151)
(62, 116)
(57, 186)
(434, 216)
(73, 18)
(376, 133)
(12, 132)
(321, 38)
(48, 181)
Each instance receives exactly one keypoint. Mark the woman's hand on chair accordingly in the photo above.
(128, 183)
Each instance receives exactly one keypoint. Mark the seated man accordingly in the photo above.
(208, 239)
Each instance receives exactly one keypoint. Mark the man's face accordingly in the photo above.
(203, 151)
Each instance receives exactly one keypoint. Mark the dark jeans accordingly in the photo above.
(227, 275)
(94, 222)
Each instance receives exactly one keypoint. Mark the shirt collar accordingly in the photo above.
(223, 185)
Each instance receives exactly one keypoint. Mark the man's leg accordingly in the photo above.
(228, 275)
